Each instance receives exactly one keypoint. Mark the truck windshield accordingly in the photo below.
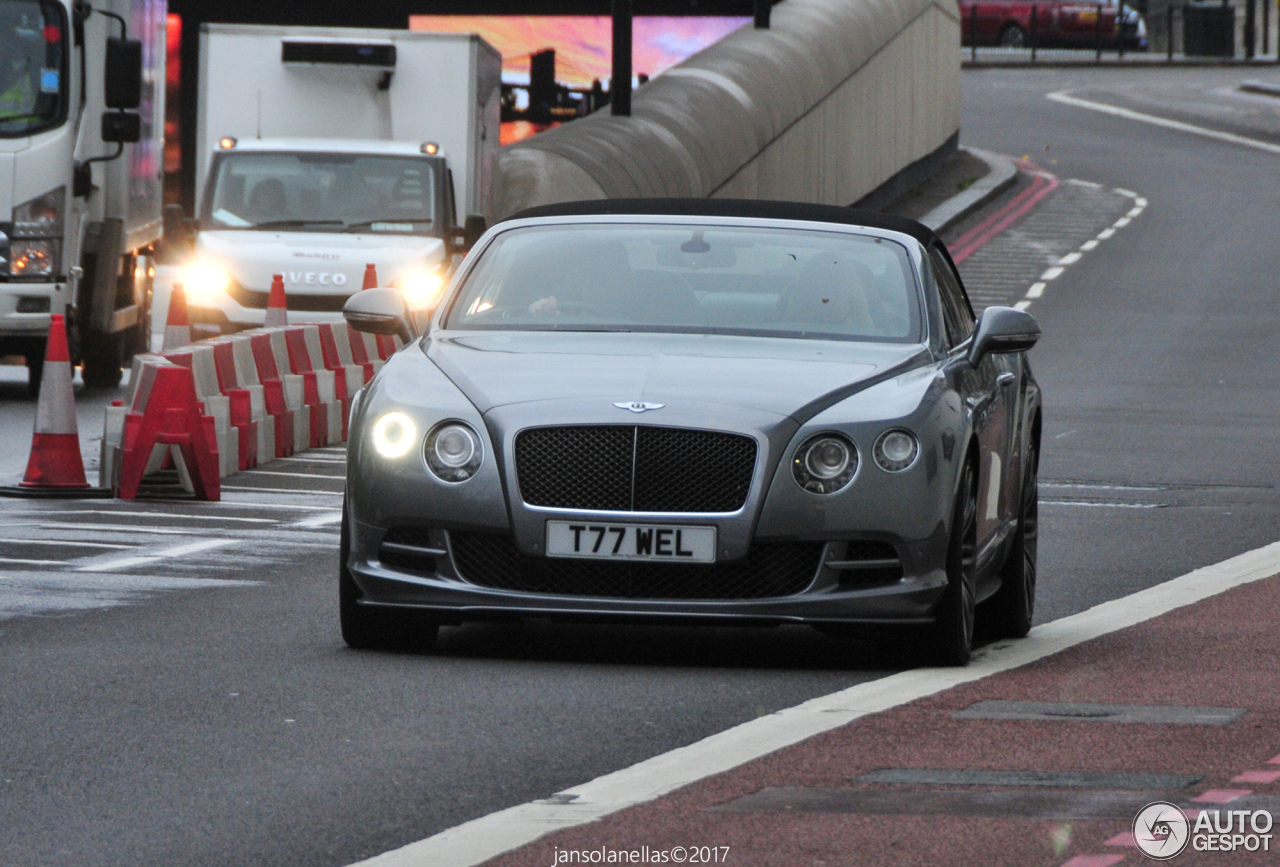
(33, 66)
(322, 192)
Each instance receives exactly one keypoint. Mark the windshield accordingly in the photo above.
(713, 279)
(322, 192)
(33, 62)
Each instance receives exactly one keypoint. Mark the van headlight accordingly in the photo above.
(421, 289)
(204, 284)
(394, 435)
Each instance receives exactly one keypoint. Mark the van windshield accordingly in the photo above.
(323, 192)
(33, 65)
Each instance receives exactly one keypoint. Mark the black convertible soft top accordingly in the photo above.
(755, 208)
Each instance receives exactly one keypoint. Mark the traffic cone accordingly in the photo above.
(177, 327)
(55, 468)
(277, 309)
(370, 277)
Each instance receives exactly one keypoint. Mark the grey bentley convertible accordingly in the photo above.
(696, 411)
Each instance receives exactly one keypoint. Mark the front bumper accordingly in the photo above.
(829, 598)
(25, 307)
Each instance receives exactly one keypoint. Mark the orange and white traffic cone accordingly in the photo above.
(55, 468)
(177, 327)
(277, 309)
(370, 277)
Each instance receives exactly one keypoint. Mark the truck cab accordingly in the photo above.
(317, 212)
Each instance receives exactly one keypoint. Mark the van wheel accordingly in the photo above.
(952, 634)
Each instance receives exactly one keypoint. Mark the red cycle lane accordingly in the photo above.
(1061, 787)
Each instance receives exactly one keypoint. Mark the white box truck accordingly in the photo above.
(81, 175)
(323, 150)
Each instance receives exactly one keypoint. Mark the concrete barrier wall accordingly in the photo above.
(830, 103)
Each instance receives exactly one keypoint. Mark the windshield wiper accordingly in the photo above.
(284, 224)
(368, 224)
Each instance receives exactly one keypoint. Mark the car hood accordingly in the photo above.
(786, 377)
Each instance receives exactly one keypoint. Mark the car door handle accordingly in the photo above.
(978, 403)
(1005, 379)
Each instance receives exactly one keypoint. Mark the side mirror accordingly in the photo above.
(124, 73)
(1002, 330)
(380, 311)
(461, 239)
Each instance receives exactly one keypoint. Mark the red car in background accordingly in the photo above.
(1053, 23)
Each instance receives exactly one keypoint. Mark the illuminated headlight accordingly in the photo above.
(205, 284)
(825, 463)
(36, 250)
(896, 450)
(394, 435)
(35, 258)
(453, 451)
(421, 289)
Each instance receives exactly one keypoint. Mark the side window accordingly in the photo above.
(955, 306)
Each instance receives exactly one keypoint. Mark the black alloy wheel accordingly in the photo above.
(952, 637)
(1008, 614)
(367, 628)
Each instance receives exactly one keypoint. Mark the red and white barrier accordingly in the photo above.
(199, 357)
(306, 358)
(255, 429)
(284, 391)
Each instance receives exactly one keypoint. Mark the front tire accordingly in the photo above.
(366, 628)
(1009, 612)
(952, 634)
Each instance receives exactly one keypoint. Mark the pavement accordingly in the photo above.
(933, 781)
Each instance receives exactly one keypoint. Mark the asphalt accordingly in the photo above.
(227, 724)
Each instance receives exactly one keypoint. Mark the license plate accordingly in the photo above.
(665, 542)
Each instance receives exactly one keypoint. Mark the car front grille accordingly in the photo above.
(770, 570)
(630, 468)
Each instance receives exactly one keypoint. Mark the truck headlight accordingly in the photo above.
(35, 258)
(36, 250)
(205, 284)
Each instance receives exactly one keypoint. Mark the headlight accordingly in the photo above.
(35, 258)
(36, 250)
(421, 289)
(896, 450)
(205, 284)
(454, 451)
(824, 464)
(393, 435)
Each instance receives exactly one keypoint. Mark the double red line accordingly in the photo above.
(970, 242)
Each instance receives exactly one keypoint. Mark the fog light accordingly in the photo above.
(454, 451)
(896, 450)
(393, 435)
(825, 464)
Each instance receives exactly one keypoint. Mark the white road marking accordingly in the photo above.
(1021, 305)
(63, 543)
(1093, 185)
(1053, 273)
(21, 562)
(325, 459)
(132, 528)
(1128, 194)
(1090, 244)
(1141, 202)
(278, 490)
(1121, 223)
(1103, 505)
(319, 520)
(1105, 234)
(292, 475)
(162, 554)
(1063, 97)
(489, 836)
(253, 504)
(1135, 212)
(188, 517)
(1091, 487)
(1070, 259)
(1036, 290)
